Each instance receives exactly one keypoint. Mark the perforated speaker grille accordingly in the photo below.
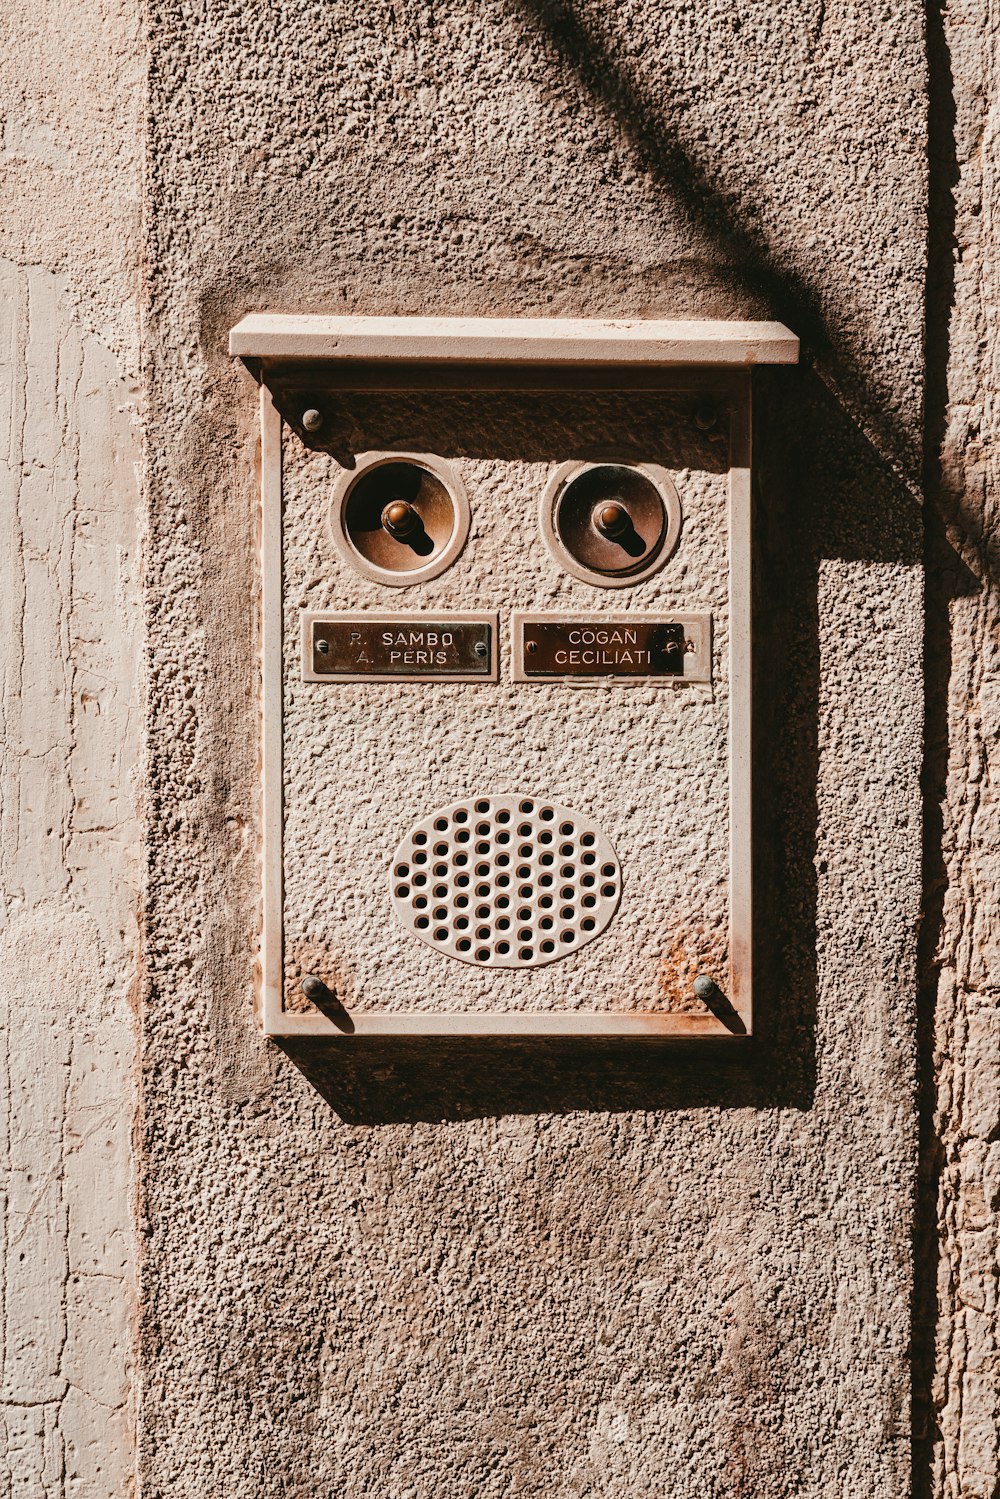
(505, 881)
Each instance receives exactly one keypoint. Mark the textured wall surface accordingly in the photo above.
(71, 737)
(958, 1372)
(596, 1273)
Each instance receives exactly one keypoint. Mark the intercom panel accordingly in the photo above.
(506, 675)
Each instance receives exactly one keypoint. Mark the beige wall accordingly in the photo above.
(602, 1277)
(71, 720)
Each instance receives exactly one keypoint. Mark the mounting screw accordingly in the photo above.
(314, 988)
(706, 989)
(531, 646)
(323, 646)
(706, 414)
(312, 420)
(480, 647)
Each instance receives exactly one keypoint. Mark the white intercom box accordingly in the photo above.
(506, 674)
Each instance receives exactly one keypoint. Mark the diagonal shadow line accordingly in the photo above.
(748, 257)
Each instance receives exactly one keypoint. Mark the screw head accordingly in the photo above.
(705, 988)
(707, 414)
(323, 646)
(312, 420)
(480, 647)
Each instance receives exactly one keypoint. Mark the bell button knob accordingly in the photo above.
(612, 520)
(400, 519)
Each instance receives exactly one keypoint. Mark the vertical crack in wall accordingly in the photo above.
(956, 1341)
(69, 779)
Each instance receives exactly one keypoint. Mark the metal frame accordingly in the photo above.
(399, 353)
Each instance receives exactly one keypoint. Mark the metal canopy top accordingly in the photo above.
(513, 341)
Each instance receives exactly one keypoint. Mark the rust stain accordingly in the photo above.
(305, 955)
(686, 955)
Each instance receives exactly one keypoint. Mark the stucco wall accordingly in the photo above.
(581, 1274)
(71, 731)
(958, 1410)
